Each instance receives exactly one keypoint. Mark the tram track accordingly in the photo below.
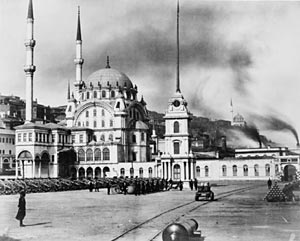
(183, 208)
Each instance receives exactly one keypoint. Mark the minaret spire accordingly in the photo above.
(78, 38)
(29, 67)
(177, 33)
(69, 96)
(107, 62)
(78, 60)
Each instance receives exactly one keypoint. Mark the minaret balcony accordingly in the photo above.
(29, 43)
(29, 68)
(78, 61)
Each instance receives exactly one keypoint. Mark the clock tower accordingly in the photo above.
(177, 160)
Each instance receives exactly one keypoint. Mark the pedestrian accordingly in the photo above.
(269, 183)
(125, 188)
(97, 186)
(196, 184)
(91, 186)
(180, 185)
(22, 208)
(191, 184)
(108, 188)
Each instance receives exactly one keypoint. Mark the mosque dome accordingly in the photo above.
(238, 118)
(111, 77)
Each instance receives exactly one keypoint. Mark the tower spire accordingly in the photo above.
(177, 33)
(29, 67)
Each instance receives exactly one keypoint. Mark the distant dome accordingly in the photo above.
(141, 125)
(111, 76)
(238, 118)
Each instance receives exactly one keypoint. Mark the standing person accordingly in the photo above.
(97, 186)
(91, 186)
(180, 185)
(108, 188)
(191, 184)
(196, 184)
(22, 208)
(269, 183)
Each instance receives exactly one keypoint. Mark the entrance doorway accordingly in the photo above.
(289, 173)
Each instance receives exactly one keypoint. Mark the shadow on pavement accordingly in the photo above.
(36, 224)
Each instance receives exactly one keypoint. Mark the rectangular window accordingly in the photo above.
(176, 148)
(87, 123)
(81, 138)
(24, 137)
(73, 138)
(133, 138)
(30, 137)
(143, 136)
(9, 152)
(95, 124)
(111, 123)
(19, 137)
(103, 123)
(95, 112)
(13, 141)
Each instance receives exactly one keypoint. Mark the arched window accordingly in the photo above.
(89, 155)
(94, 112)
(122, 172)
(110, 137)
(97, 172)
(97, 154)
(103, 93)
(81, 156)
(103, 123)
(234, 170)
(81, 173)
(78, 123)
(256, 171)
(206, 169)
(103, 112)
(267, 170)
(141, 172)
(176, 127)
(102, 138)
(95, 94)
(150, 172)
(106, 156)
(89, 173)
(276, 169)
(177, 174)
(131, 171)
(87, 95)
(245, 169)
(87, 113)
(112, 94)
(224, 171)
(198, 171)
(176, 148)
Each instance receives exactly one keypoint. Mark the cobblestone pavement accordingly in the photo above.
(83, 215)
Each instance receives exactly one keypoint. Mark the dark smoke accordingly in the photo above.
(252, 133)
(275, 124)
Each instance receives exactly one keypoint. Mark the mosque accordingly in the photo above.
(106, 132)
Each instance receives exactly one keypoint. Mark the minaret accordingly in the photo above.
(78, 60)
(29, 68)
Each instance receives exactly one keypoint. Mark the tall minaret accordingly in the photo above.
(78, 60)
(29, 68)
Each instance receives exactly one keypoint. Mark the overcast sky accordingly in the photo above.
(247, 51)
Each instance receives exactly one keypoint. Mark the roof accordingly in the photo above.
(141, 125)
(50, 126)
(109, 77)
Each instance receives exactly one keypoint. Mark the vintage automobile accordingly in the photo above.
(204, 192)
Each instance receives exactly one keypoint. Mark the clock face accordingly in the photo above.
(176, 103)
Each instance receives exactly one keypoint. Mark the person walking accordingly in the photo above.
(22, 208)
(269, 183)
(191, 184)
(196, 184)
(108, 188)
(91, 186)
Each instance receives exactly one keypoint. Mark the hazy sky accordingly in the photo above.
(247, 51)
